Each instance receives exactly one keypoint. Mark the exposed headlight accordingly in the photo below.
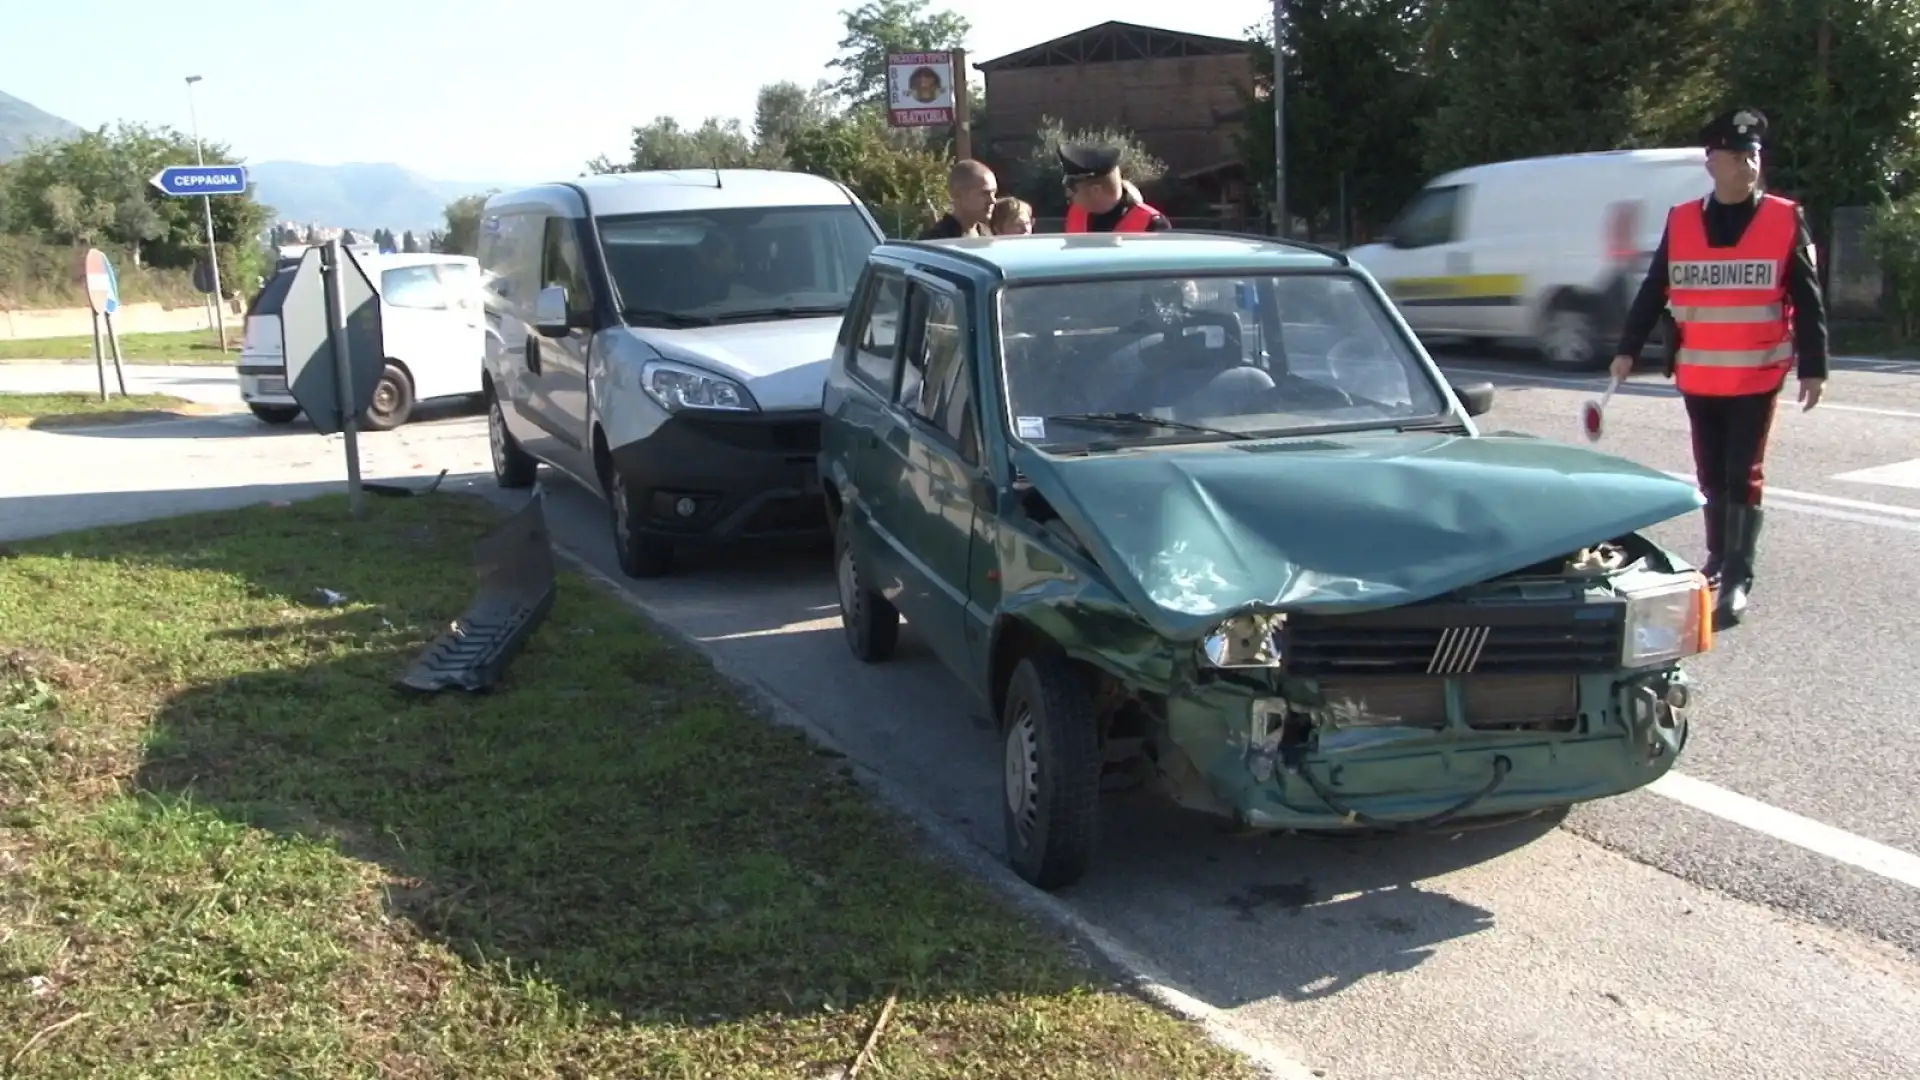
(678, 387)
(1668, 621)
(1245, 641)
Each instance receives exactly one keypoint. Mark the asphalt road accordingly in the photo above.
(1678, 932)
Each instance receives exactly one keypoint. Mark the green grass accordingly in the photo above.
(229, 849)
(58, 410)
(188, 347)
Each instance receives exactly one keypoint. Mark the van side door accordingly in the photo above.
(563, 360)
(509, 268)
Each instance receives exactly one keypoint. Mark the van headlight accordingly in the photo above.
(1667, 622)
(677, 387)
(1245, 641)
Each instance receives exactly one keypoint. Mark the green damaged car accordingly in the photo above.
(1198, 510)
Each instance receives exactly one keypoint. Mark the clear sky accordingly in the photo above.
(510, 91)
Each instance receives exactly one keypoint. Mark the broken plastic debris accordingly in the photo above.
(330, 598)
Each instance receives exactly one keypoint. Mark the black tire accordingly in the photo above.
(392, 400)
(871, 622)
(1050, 773)
(277, 415)
(1571, 339)
(513, 467)
(640, 556)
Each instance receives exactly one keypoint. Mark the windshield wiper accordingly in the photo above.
(1140, 419)
(670, 319)
(801, 311)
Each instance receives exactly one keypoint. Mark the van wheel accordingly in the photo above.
(392, 401)
(1051, 773)
(1570, 340)
(275, 414)
(640, 556)
(871, 623)
(513, 467)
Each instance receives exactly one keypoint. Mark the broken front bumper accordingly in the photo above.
(1271, 762)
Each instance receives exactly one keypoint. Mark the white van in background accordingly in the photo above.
(430, 326)
(1548, 251)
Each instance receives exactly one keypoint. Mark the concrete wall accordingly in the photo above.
(130, 319)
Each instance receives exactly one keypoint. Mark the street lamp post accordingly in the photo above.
(206, 203)
(1282, 221)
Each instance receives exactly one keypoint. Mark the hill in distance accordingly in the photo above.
(359, 196)
(22, 123)
(362, 197)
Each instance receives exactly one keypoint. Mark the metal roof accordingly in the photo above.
(1082, 255)
(690, 189)
(1113, 41)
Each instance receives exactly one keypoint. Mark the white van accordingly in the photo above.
(663, 338)
(1548, 251)
(430, 327)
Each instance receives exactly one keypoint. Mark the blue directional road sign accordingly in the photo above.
(185, 180)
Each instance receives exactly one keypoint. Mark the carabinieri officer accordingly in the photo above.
(1099, 199)
(1737, 270)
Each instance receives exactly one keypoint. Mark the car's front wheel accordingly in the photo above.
(513, 467)
(1051, 772)
(871, 623)
(640, 555)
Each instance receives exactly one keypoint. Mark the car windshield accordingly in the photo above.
(1134, 361)
(709, 266)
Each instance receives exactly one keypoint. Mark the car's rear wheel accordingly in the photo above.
(392, 403)
(871, 623)
(275, 414)
(1051, 772)
(513, 467)
(640, 555)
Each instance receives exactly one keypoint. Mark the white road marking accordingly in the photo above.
(1860, 512)
(1901, 474)
(1788, 827)
(1598, 383)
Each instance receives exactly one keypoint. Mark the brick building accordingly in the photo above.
(1180, 94)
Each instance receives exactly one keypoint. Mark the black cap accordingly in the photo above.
(1738, 129)
(1083, 162)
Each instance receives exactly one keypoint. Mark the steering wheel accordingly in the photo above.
(1360, 350)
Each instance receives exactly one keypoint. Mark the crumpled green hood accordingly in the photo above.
(1347, 522)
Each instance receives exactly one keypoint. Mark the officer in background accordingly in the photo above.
(1737, 270)
(1099, 199)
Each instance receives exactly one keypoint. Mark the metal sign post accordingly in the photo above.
(206, 181)
(343, 375)
(103, 298)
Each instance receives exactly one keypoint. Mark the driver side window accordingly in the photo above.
(1431, 218)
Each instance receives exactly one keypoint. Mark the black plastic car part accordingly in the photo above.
(514, 562)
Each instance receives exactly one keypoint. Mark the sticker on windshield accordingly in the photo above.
(1030, 427)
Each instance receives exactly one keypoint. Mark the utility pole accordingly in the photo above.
(1282, 221)
(206, 202)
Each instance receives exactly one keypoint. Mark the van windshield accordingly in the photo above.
(702, 267)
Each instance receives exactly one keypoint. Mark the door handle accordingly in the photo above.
(1459, 264)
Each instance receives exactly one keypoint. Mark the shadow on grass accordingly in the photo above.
(610, 821)
(230, 422)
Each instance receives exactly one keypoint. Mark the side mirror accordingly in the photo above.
(550, 312)
(1476, 398)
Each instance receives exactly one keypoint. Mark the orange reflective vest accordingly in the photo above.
(1730, 303)
(1135, 219)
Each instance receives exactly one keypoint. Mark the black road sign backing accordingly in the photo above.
(309, 352)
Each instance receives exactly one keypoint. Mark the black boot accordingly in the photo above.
(1715, 516)
(1737, 569)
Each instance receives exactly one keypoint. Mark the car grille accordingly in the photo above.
(1458, 640)
(761, 435)
(1487, 702)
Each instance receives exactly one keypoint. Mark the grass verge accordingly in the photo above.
(198, 347)
(228, 849)
(84, 408)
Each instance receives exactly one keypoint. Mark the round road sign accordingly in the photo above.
(103, 285)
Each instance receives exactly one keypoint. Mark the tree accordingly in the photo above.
(1357, 90)
(462, 234)
(664, 144)
(409, 244)
(1039, 175)
(855, 150)
(1565, 76)
(1839, 81)
(879, 27)
(784, 109)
